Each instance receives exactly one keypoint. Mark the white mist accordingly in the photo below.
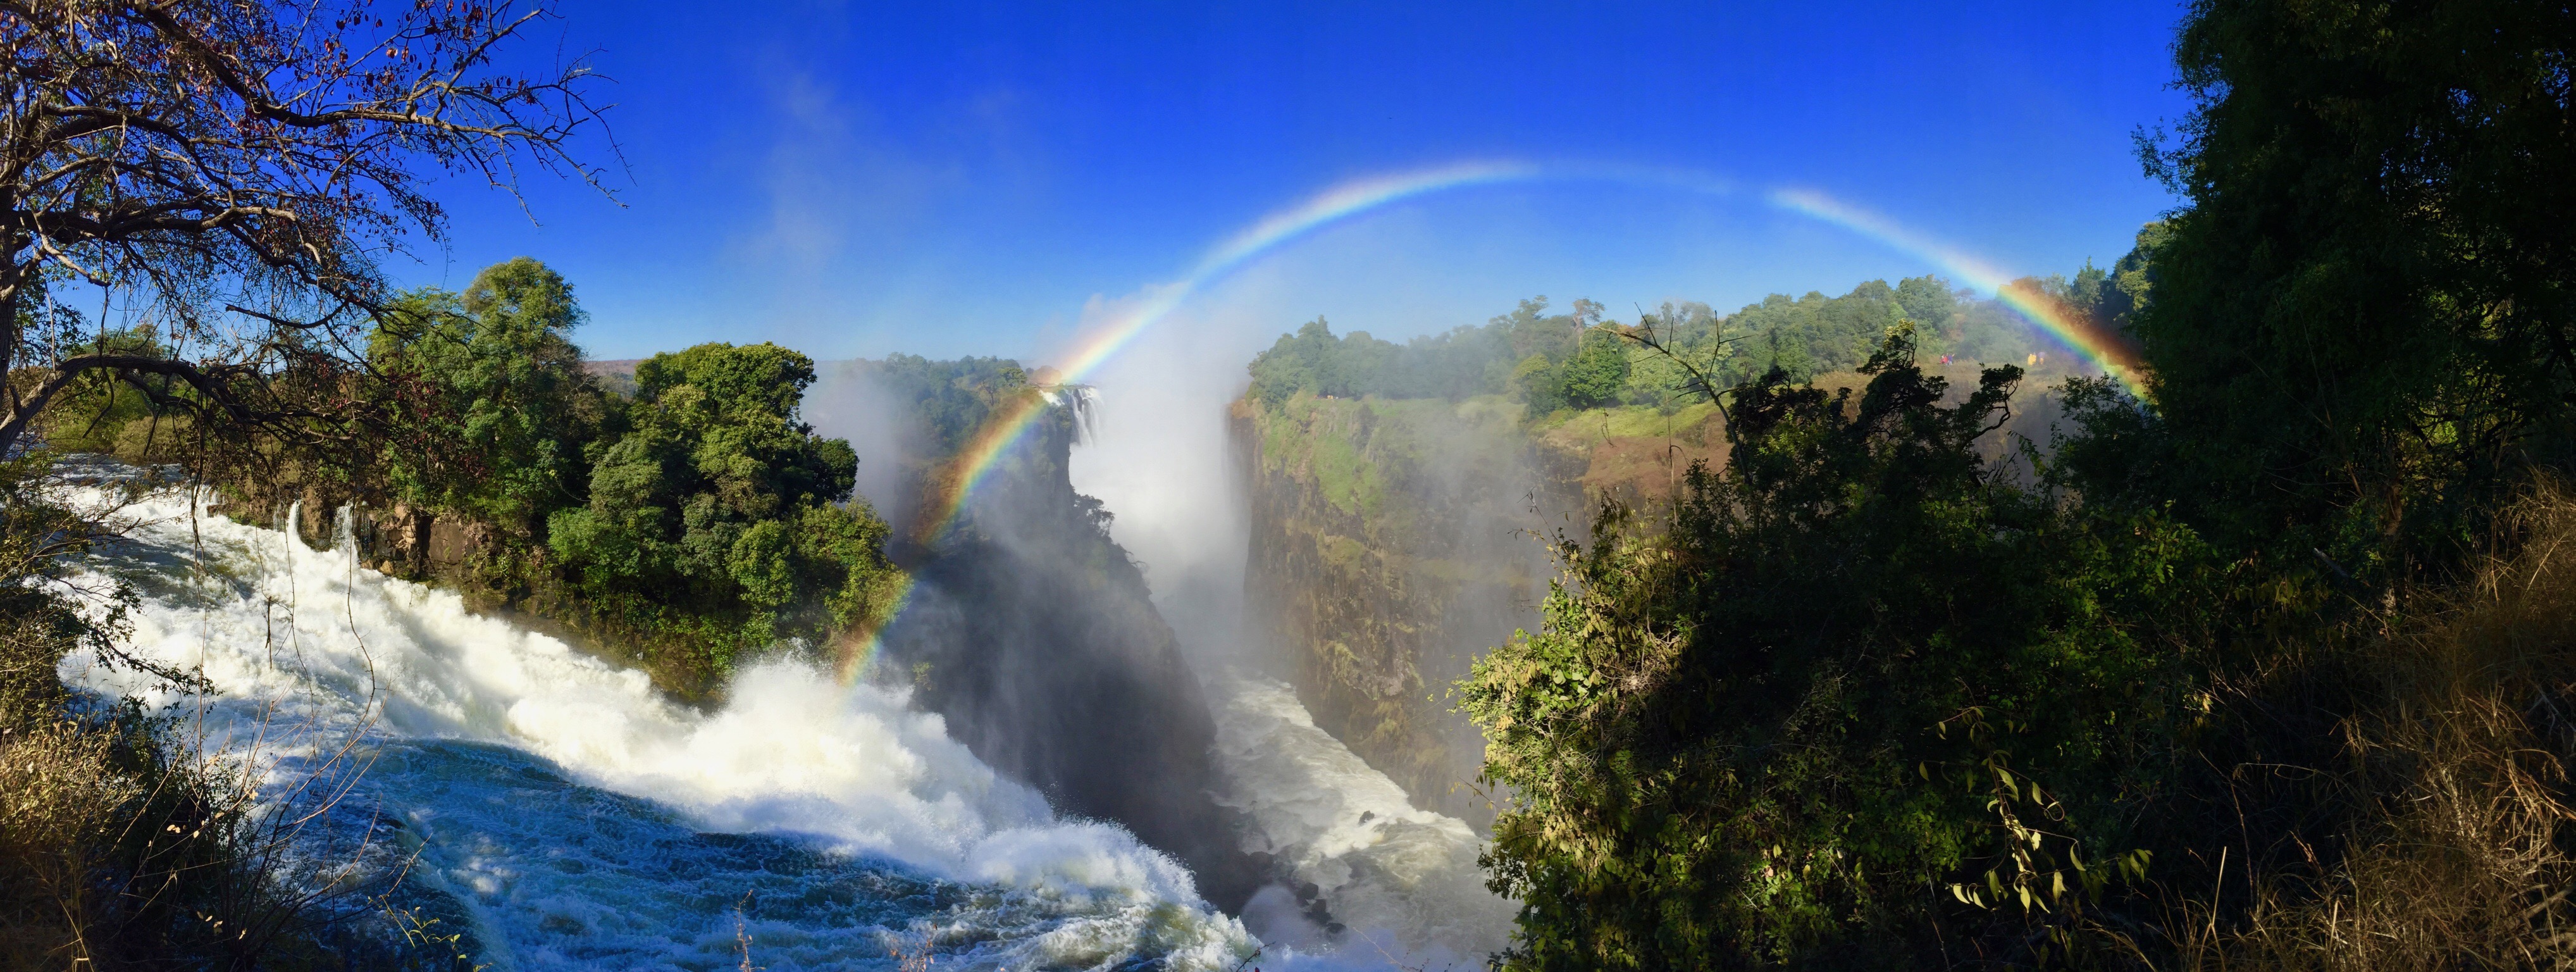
(1402, 880)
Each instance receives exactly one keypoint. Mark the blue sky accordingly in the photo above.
(944, 179)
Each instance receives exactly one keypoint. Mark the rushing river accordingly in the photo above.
(562, 815)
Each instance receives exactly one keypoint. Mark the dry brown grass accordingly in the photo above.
(60, 803)
(2459, 770)
(125, 842)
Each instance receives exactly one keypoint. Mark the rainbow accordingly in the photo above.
(1103, 341)
(983, 452)
(2107, 347)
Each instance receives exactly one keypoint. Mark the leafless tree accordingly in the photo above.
(237, 169)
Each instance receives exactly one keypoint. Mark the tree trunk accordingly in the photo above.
(13, 286)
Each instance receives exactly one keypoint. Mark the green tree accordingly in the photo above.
(2362, 322)
(1816, 334)
(2130, 280)
(1593, 375)
(1292, 364)
(495, 402)
(1863, 686)
(1540, 383)
(719, 517)
(1928, 302)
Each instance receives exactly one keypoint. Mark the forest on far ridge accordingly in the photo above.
(1578, 360)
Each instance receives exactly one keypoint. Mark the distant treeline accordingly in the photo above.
(948, 400)
(1578, 360)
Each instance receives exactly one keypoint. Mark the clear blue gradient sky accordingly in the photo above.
(859, 178)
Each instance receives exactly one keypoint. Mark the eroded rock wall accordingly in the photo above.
(1395, 541)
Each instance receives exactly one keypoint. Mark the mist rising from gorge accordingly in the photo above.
(1118, 677)
(1026, 627)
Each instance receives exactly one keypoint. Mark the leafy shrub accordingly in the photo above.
(1863, 687)
(719, 512)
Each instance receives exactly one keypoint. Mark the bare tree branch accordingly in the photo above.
(236, 169)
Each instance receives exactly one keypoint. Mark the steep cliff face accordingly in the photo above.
(1395, 540)
(1036, 636)
(1028, 628)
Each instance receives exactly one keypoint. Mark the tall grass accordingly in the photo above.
(2452, 778)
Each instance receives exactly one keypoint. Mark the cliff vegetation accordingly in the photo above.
(1401, 496)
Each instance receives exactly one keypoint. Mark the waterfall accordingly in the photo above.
(561, 814)
(1400, 880)
(567, 816)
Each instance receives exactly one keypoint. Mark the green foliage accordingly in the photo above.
(1539, 382)
(1593, 376)
(1838, 683)
(1456, 365)
(1864, 701)
(495, 401)
(949, 400)
(1689, 331)
(1553, 361)
(1815, 333)
(2362, 322)
(94, 411)
(1338, 445)
(719, 512)
(692, 521)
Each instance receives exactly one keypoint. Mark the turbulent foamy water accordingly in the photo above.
(563, 815)
(1402, 881)
(574, 819)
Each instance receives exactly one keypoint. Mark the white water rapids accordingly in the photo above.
(571, 818)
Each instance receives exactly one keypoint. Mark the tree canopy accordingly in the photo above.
(492, 384)
(719, 495)
(1576, 360)
(2366, 318)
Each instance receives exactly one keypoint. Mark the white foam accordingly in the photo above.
(290, 636)
(1402, 879)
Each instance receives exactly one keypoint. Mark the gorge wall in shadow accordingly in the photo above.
(1028, 629)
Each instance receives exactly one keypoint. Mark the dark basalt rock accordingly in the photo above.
(1036, 637)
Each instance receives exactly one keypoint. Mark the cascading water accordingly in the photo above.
(1352, 875)
(571, 818)
(562, 814)
(1401, 881)
(1366, 878)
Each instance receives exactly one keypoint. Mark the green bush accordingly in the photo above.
(494, 405)
(1862, 688)
(721, 514)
